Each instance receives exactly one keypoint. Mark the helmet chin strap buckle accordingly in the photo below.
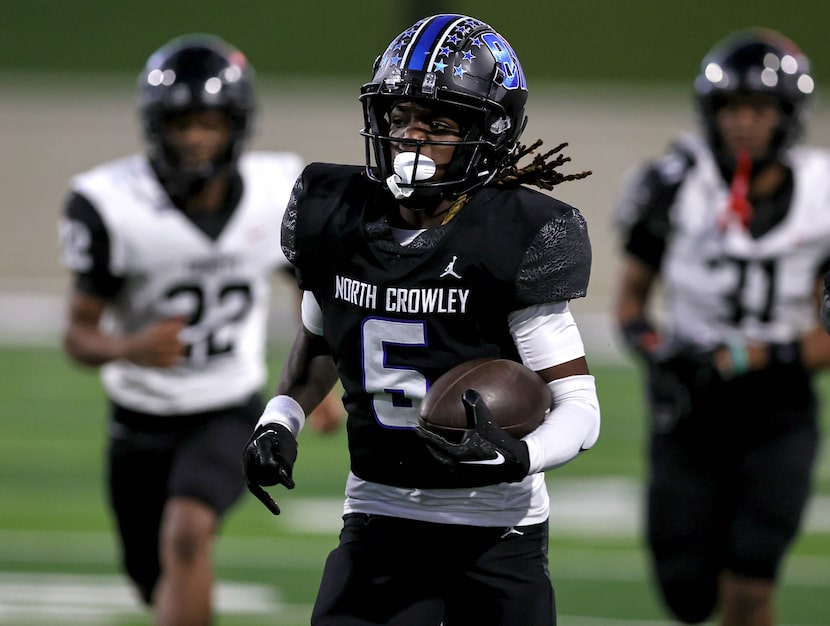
(409, 167)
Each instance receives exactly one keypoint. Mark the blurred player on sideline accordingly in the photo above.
(433, 253)
(172, 254)
(735, 224)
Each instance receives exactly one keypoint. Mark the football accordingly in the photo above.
(517, 397)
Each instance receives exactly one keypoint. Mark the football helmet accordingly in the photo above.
(194, 72)
(755, 61)
(466, 67)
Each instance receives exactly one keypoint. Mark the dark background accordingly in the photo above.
(637, 41)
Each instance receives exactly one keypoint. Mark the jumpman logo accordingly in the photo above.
(449, 270)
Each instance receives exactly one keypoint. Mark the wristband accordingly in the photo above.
(740, 358)
(283, 410)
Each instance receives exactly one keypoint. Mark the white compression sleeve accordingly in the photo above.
(571, 426)
(546, 335)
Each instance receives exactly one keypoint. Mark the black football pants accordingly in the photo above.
(403, 572)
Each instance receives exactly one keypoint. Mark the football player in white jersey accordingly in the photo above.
(431, 254)
(173, 254)
(734, 224)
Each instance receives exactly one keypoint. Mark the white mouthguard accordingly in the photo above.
(406, 172)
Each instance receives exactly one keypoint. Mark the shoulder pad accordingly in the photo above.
(652, 187)
(557, 264)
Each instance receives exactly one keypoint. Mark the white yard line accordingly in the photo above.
(94, 599)
(603, 507)
(40, 599)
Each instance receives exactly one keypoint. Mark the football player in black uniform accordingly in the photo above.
(172, 255)
(431, 255)
(734, 224)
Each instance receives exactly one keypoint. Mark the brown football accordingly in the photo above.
(517, 397)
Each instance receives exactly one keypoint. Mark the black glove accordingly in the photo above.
(486, 454)
(268, 460)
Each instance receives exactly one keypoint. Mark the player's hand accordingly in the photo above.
(641, 337)
(268, 459)
(159, 344)
(486, 454)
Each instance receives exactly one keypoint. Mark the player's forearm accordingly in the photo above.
(295, 399)
(93, 348)
(634, 292)
(309, 373)
(572, 426)
(312, 386)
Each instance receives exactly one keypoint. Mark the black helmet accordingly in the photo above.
(465, 66)
(194, 72)
(755, 61)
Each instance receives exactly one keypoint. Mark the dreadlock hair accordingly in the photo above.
(539, 172)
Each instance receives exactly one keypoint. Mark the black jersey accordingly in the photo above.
(397, 317)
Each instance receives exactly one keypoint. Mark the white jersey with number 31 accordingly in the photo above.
(723, 284)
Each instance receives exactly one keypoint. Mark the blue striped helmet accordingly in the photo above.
(458, 62)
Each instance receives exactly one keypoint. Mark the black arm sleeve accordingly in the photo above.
(88, 253)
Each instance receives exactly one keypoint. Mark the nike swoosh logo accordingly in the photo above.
(499, 460)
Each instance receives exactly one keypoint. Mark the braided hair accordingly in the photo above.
(539, 172)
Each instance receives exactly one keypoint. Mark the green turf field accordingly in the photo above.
(57, 560)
